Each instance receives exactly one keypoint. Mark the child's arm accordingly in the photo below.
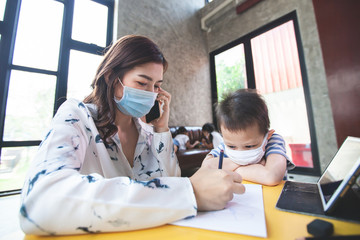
(190, 146)
(271, 173)
(206, 145)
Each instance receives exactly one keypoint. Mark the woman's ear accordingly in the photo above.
(107, 76)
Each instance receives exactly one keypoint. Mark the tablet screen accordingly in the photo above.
(337, 175)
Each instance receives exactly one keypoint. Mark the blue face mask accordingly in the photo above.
(135, 102)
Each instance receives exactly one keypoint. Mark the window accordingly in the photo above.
(230, 68)
(270, 60)
(2, 10)
(45, 57)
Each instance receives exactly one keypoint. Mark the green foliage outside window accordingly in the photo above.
(230, 77)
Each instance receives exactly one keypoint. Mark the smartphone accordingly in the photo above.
(154, 112)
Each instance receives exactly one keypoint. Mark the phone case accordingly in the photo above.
(154, 112)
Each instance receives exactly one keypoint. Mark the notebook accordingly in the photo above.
(244, 214)
(336, 194)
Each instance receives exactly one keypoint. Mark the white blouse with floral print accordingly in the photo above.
(77, 184)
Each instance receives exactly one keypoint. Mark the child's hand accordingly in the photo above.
(229, 165)
(213, 162)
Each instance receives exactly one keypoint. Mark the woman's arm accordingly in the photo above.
(271, 173)
(57, 199)
(164, 151)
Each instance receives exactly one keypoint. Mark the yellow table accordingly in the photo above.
(279, 224)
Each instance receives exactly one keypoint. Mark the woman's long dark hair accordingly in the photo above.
(128, 52)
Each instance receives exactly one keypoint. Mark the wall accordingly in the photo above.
(227, 26)
(338, 24)
(175, 27)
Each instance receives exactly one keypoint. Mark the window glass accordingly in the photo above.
(278, 78)
(230, 70)
(13, 166)
(81, 73)
(29, 107)
(37, 42)
(30, 101)
(2, 9)
(90, 26)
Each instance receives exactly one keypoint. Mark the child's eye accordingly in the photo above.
(250, 146)
(232, 147)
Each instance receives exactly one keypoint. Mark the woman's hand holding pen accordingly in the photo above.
(214, 188)
(213, 162)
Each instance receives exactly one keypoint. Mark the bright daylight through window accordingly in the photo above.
(45, 70)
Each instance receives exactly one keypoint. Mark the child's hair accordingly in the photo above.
(181, 130)
(208, 127)
(242, 109)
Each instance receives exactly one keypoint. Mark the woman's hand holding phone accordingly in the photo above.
(154, 112)
(161, 124)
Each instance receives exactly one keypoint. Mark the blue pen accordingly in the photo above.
(221, 159)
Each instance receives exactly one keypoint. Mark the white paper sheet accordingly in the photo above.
(243, 215)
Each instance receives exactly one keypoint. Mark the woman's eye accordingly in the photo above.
(141, 83)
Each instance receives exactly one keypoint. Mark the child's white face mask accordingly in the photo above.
(246, 157)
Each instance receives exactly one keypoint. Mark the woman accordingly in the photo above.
(211, 139)
(100, 168)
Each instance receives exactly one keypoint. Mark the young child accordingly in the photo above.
(182, 140)
(212, 138)
(250, 148)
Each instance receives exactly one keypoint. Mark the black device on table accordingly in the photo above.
(336, 194)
